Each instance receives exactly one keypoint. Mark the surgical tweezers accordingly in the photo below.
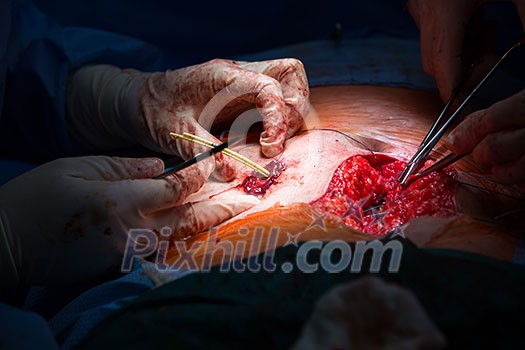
(440, 126)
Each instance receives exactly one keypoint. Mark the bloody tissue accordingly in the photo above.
(256, 184)
(365, 194)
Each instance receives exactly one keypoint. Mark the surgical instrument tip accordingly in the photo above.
(440, 126)
(192, 161)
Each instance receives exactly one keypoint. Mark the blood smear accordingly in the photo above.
(256, 184)
(365, 194)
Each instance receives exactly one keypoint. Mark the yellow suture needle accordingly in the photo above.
(227, 152)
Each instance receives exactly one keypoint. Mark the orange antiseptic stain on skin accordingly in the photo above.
(365, 194)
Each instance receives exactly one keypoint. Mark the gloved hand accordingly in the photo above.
(496, 138)
(369, 314)
(442, 25)
(67, 221)
(109, 107)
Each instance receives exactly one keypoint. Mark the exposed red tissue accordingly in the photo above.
(258, 184)
(365, 194)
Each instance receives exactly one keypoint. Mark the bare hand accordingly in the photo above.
(442, 25)
(496, 138)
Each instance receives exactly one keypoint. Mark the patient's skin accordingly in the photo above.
(310, 158)
(390, 121)
(385, 120)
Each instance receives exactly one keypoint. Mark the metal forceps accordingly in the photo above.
(440, 126)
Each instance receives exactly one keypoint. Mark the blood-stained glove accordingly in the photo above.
(443, 25)
(369, 314)
(68, 220)
(496, 138)
(109, 107)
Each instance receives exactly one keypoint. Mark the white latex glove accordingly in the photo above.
(369, 314)
(109, 107)
(68, 220)
(496, 138)
(442, 25)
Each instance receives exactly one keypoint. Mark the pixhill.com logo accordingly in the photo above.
(334, 256)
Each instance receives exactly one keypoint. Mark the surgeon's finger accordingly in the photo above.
(510, 173)
(444, 53)
(191, 218)
(442, 26)
(267, 95)
(503, 115)
(291, 75)
(111, 168)
(149, 195)
(220, 82)
(225, 167)
(499, 148)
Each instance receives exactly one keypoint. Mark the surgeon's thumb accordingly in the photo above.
(133, 168)
(194, 217)
(108, 168)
